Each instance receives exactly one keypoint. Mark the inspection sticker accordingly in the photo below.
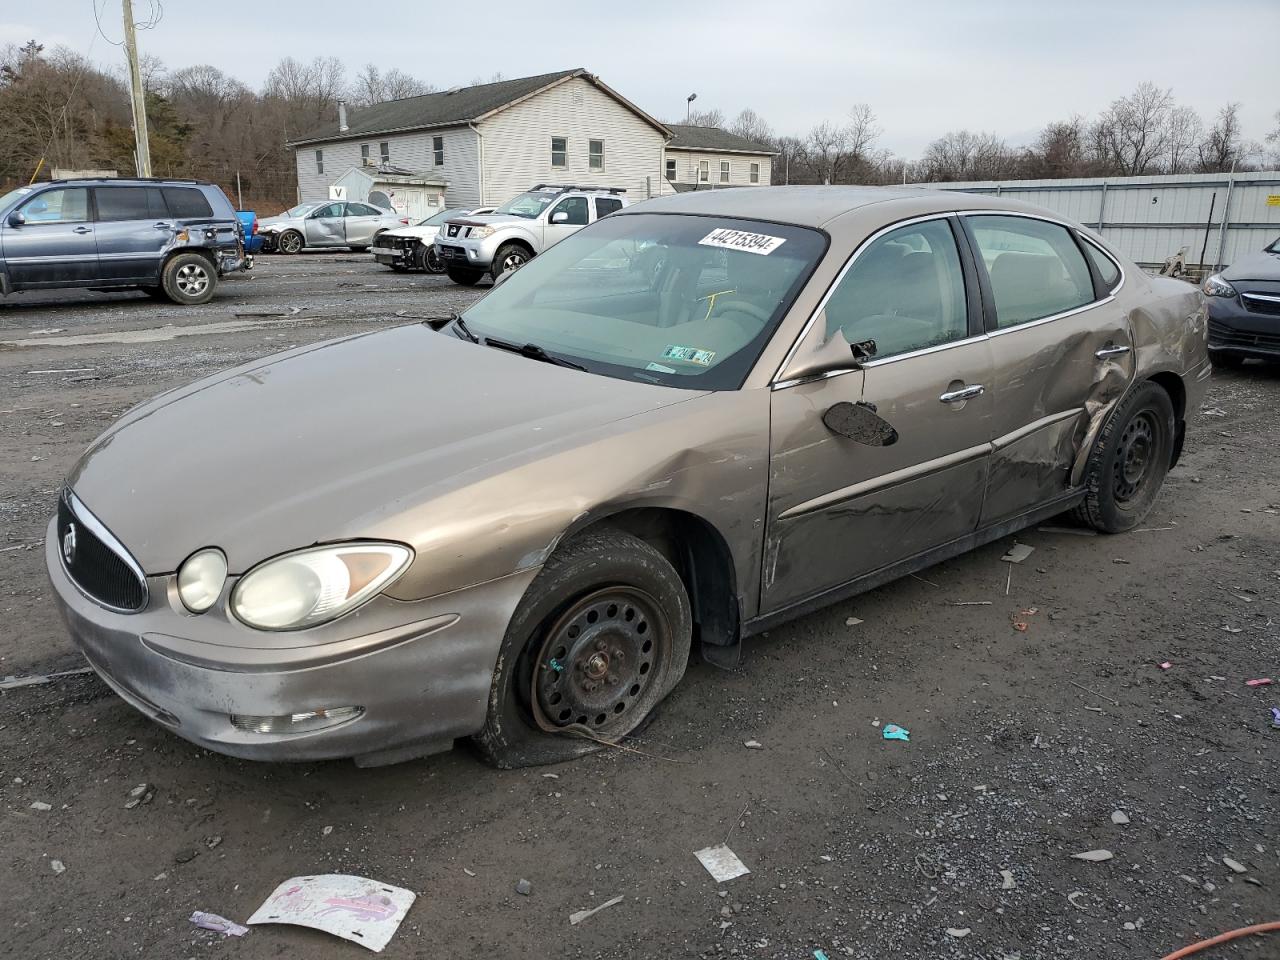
(689, 354)
(760, 243)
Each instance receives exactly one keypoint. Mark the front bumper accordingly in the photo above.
(421, 670)
(397, 253)
(1238, 331)
(472, 254)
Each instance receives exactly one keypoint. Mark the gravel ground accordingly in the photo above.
(1023, 748)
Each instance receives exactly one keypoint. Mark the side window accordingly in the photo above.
(671, 169)
(186, 202)
(559, 151)
(57, 206)
(755, 173)
(576, 207)
(437, 149)
(319, 161)
(384, 151)
(129, 203)
(704, 171)
(1106, 267)
(595, 154)
(1036, 269)
(364, 154)
(724, 171)
(362, 210)
(606, 206)
(331, 210)
(905, 292)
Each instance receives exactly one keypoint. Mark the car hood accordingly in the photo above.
(1255, 266)
(423, 233)
(328, 441)
(493, 218)
(277, 223)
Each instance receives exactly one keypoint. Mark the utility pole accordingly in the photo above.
(143, 144)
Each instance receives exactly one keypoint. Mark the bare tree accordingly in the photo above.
(966, 155)
(1221, 148)
(1134, 131)
(372, 86)
(1060, 150)
(1185, 133)
(751, 126)
(1273, 140)
(704, 118)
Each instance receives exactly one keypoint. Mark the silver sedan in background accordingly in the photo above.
(334, 223)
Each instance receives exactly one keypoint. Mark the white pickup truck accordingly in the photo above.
(520, 229)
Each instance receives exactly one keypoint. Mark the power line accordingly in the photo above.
(98, 6)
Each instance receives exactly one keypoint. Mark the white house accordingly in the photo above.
(704, 158)
(484, 144)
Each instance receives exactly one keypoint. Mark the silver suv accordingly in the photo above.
(171, 238)
(520, 229)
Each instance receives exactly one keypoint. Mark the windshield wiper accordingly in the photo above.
(533, 352)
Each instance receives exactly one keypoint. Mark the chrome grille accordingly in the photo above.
(1257, 303)
(95, 561)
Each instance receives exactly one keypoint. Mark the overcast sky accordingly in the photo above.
(924, 66)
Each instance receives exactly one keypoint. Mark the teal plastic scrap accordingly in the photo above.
(894, 732)
(819, 955)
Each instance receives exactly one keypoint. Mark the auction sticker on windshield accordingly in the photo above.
(702, 358)
(760, 243)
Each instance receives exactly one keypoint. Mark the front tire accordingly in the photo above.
(1129, 461)
(189, 279)
(601, 636)
(468, 278)
(510, 257)
(290, 242)
(428, 261)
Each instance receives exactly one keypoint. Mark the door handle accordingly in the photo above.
(1110, 350)
(163, 226)
(82, 230)
(964, 393)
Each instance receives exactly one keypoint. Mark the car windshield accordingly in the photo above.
(300, 210)
(527, 205)
(13, 195)
(680, 300)
(1274, 248)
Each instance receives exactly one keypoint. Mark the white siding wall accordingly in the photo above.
(409, 150)
(739, 167)
(517, 144)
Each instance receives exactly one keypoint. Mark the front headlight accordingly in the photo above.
(1215, 286)
(479, 233)
(310, 587)
(200, 579)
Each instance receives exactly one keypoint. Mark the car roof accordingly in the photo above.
(132, 181)
(817, 206)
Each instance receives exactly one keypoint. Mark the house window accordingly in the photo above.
(385, 150)
(671, 169)
(724, 171)
(437, 148)
(704, 171)
(364, 154)
(559, 152)
(595, 154)
(319, 161)
(755, 173)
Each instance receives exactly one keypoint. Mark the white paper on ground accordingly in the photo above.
(354, 908)
(722, 863)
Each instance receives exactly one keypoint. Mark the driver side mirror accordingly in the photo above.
(834, 355)
(17, 218)
(560, 216)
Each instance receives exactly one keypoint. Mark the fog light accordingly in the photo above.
(296, 722)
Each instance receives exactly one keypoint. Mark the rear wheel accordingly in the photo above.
(468, 278)
(601, 636)
(290, 242)
(189, 279)
(1129, 461)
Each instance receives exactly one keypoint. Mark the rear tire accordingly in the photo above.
(468, 278)
(189, 279)
(601, 636)
(1129, 461)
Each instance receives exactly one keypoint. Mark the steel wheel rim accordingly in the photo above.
(601, 664)
(1135, 454)
(513, 261)
(192, 279)
(290, 243)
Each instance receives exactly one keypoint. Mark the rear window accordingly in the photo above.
(186, 202)
(130, 203)
(1107, 269)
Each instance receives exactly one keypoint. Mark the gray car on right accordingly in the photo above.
(1244, 308)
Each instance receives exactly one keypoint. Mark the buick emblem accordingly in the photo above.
(69, 544)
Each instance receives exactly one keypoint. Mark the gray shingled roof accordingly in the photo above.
(434, 109)
(690, 137)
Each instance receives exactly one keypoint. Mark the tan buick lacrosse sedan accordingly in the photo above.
(690, 421)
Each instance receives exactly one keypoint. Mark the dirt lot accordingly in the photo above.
(1023, 745)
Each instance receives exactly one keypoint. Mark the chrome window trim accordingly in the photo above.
(1053, 316)
(99, 530)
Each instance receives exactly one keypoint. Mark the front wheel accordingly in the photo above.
(189, 279)
(290, 242)
(600, 638)
(510, 256)
(468, 278)
(1129, 461)
(427, 260)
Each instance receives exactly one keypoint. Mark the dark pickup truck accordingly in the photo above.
(171, 238)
